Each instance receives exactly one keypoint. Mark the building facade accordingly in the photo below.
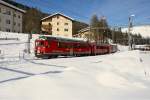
(61, 25)
(11, 18)
(83, 33)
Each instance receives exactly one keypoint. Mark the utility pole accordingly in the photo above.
(129, 32)
(90, 34)
(29, 41)
(113, 31)
(129, 35)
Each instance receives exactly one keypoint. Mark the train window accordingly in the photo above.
(64, 45)
(76, 45)
(83, 45)
(40, 43)
(48, 44)
(70, 46)
(80, 45)
(99, 47)
(61, 45)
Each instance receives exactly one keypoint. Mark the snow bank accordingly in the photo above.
(15, 44)
(118, 76)
(122, 47)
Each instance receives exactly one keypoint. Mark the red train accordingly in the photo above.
(47, 47)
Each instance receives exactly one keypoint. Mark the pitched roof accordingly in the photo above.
(11, 6)
(84, 29)
(58, 14)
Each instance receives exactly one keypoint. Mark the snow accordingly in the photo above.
(144, 30)
(122, 48)
(15, 45)
(124, 75)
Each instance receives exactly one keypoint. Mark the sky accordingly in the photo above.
(116, 12)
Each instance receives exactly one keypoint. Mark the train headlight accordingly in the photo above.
(38, 51)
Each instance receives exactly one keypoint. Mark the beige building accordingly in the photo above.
(83, 33)
(61, 25)
(88, 34)
(11, 17)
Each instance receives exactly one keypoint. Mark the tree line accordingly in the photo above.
(100, 32)
(99, 29)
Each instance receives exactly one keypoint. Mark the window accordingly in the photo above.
(57, 29)
(57, 23)
(65, 29)
(7, 30)
(66, 23)
(19, 24)
(18, 16)
(14, 23)
(14, 15)
(7, 21)
(57, 17)
(8, 12)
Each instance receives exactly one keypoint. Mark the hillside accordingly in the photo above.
(144, 30)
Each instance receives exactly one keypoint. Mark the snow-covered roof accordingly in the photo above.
(11, 6)
(84, 29)
(57, 14)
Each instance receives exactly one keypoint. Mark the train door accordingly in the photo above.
(71, 49)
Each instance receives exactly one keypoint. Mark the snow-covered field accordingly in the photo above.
(124, 75)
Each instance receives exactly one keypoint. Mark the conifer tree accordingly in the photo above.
(32, 21)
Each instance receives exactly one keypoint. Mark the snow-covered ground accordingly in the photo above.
(124, 75)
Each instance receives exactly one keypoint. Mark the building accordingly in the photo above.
(61, 25)
(11, 17)
(84, 33)
(88, 33)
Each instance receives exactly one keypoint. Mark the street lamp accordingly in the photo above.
(129, 32)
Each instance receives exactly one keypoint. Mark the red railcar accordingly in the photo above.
(53, 46)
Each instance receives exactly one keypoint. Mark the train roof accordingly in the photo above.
(48, 37)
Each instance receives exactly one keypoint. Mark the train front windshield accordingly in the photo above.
(39, 43)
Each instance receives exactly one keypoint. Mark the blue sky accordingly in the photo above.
(116, 11)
